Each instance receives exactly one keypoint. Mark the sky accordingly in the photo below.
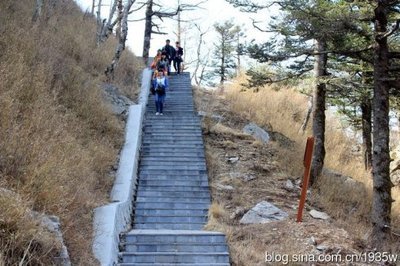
(212, 11)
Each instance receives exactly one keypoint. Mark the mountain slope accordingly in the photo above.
(59, 138)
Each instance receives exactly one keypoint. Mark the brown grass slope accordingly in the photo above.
(270, 166)
(58, 138)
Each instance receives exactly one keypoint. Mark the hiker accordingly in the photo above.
(163, 64)
(170, 51)
(160, 84)
(156, 59)
(178, 58)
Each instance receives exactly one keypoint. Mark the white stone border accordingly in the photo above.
(114, 218)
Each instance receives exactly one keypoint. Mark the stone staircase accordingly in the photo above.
(172, 194)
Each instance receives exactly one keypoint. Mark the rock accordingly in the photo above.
(289, 185)
(257, 132)
(217, 118)
(312, 241)
(233, 159)
(248, 178)
(235, 175)
(321, 247)
(119, 103)
(263, 212)
(52, 223)
(347, 184)
(238, 212)
(395, 172)
(201, 113)
(223, 187)
(282, 140)
(319, 215)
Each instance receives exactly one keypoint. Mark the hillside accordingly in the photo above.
(59, 137)
(244, 171)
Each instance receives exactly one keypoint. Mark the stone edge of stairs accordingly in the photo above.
(114, 218)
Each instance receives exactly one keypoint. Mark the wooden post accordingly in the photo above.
(307, 169)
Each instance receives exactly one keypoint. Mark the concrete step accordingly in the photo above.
(170, 226)
(180, 172)
(170, 127)
(159, 172)
(172, 205)
(172, 139)
(172, 155)
(172, 236)
(171, 184)
(159, 142)
(170, 212)
(177, 176)
(173, 187)
(173, 264)
(170, 257)
(174, 247)
(169, 167)
(187, 164)
(174, 134)
(173, 194)
(173, 149)
(180, 146)
(140, 219)
(172, 199)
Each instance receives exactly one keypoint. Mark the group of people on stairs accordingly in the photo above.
(161, 67)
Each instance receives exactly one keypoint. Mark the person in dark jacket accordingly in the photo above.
(178, 57)
(170, 51)
(160, 84)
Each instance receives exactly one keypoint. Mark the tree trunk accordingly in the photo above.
(179, 22)
(222, 69)
(38, 10)
(308, 115)
(108, 28)
(93, 6)
(198, 61)
(366, 114)
(99, 23)
(319, 110)
(382, 199)
(147, 31)
(119, 20)
(121, 42)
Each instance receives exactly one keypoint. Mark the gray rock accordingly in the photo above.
(238, 212)
(119, 103)
(257, 132)
(52, 223)
(201, 113)
(233, 159)
(223, 187)
(312, 241)
(289, 185)
(263, 212)
(217, 118)
(319, 215)
(248, 178)
(348, 184)
(321, 247)
(235, 175)
(395, 172)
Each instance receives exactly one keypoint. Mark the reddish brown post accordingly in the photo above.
(307, 169)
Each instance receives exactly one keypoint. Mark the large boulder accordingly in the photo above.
(263, 212)
(257, 132)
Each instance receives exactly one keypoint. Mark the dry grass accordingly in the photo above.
(281, 112)
(58, 137)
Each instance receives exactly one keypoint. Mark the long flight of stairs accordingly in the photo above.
(173, 194)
